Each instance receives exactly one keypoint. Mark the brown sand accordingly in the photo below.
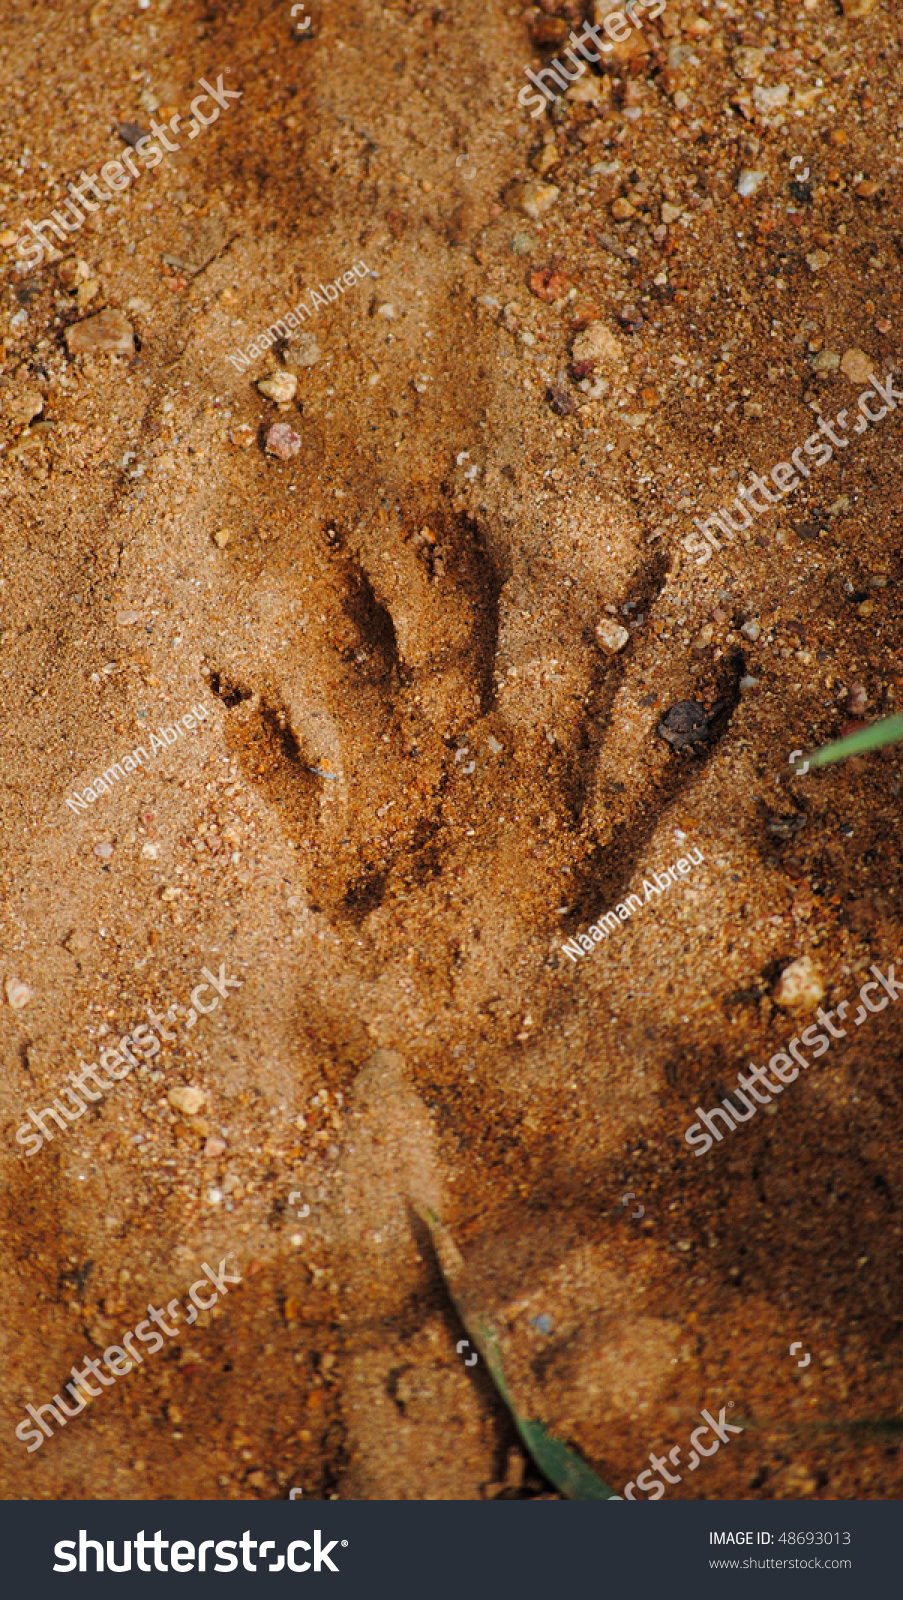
(425, 577)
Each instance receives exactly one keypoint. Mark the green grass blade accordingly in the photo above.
(561, 1466)
(875, 737)
(555, 1461)
(890, 1427)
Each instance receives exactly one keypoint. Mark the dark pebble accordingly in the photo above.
(687, 722)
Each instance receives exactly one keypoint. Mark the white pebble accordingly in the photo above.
(279, 386)
(800, 986)
(187, 1100)
(610, 636)
(749, 181)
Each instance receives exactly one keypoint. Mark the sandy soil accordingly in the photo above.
(409, 605)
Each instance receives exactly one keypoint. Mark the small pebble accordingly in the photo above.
(800, 986)
(130, 132)
(749, 181)
(857, 365)
(545, 159)
(688, 723)
(826, 361)
(610, 636)
(18, 994)
(772, 98)
(104, 850)
(221, 538)
(597, 343)
(107, 333)
(73, 271)
(751, 630)
(186, 1099)
(279, 386)
(22, 408)
(125, 619)
(301, 350)
(817, 259)
(387, 311)
(214, 1197)
(283, 441)
(542, 1323)
(214, 1147)
(857, 700)
(536, 198)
